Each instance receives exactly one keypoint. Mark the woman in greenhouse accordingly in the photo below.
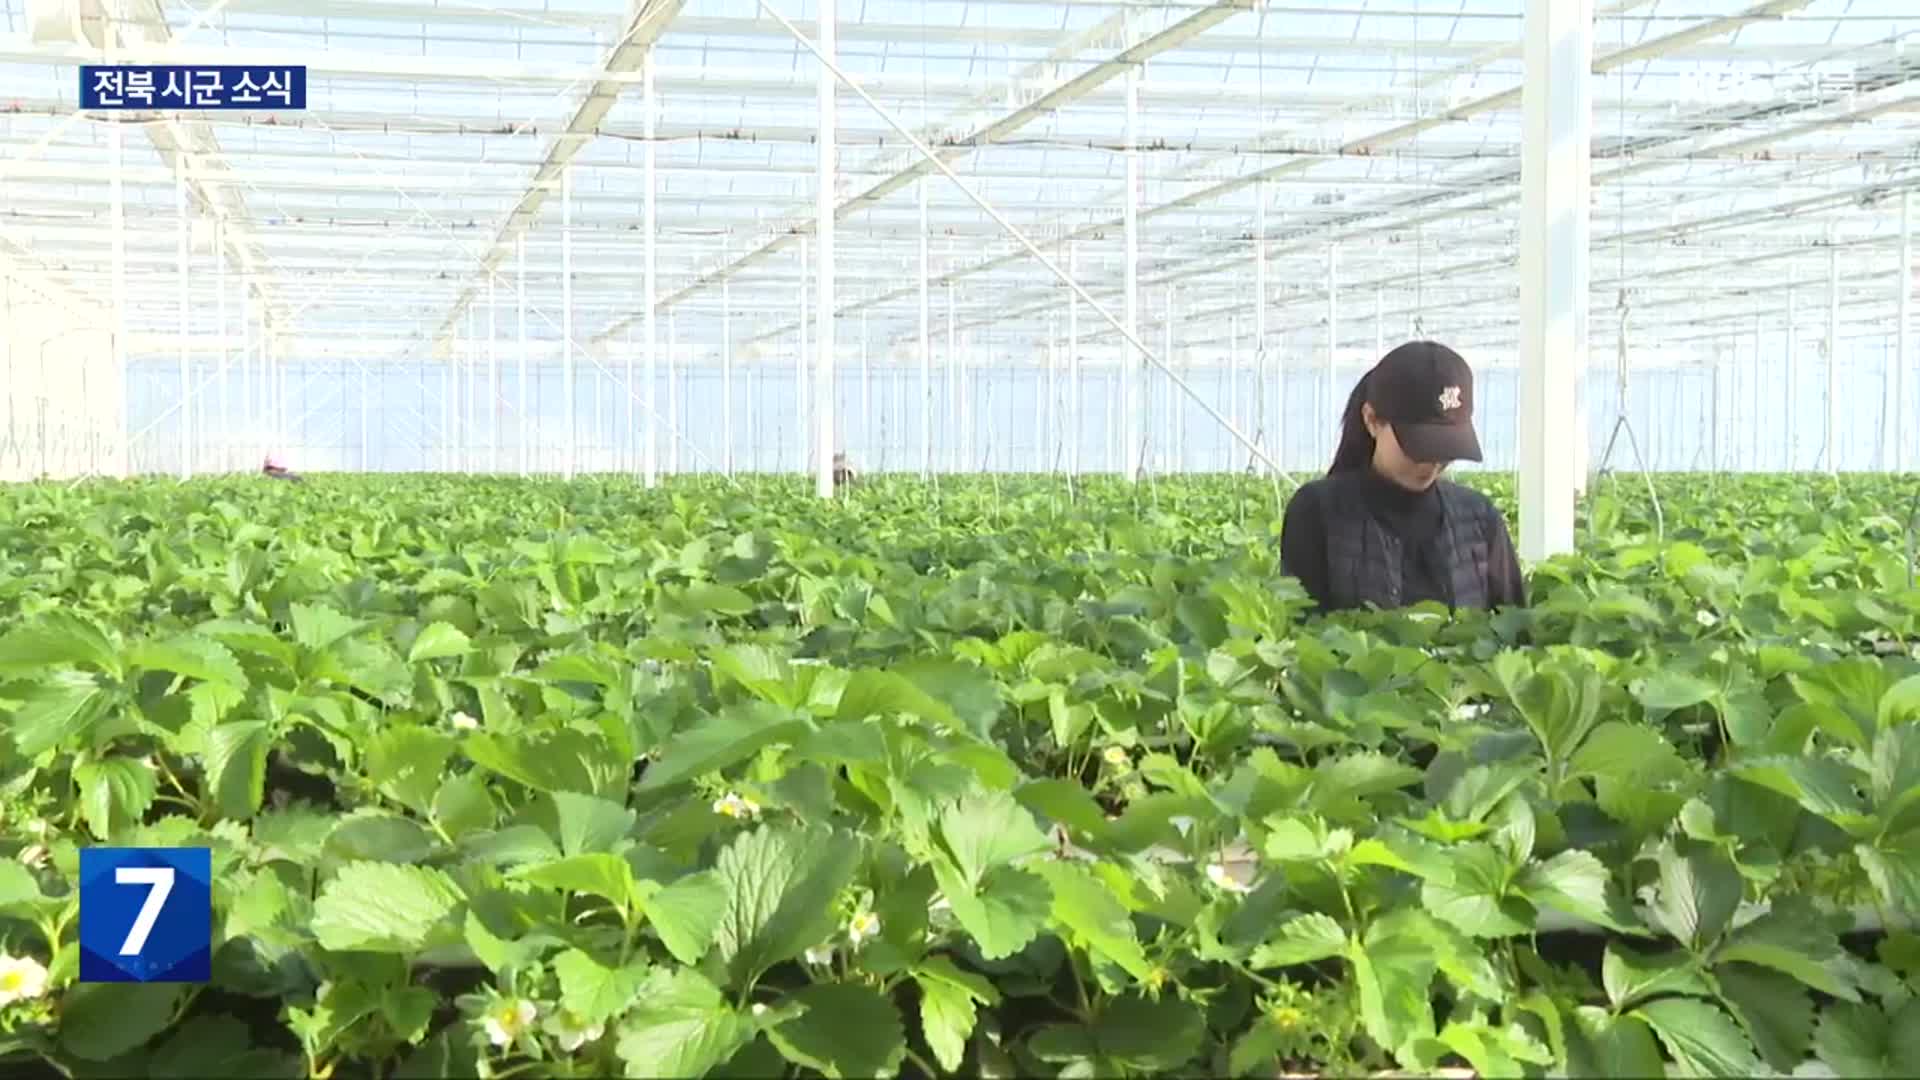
(275, 469)
(1382, 528)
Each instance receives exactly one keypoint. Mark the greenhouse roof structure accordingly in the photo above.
(1370, 149)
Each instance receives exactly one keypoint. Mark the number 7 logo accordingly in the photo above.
(160, 878)
(146, 914)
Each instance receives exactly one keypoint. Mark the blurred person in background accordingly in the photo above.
(844, 475)
(276, 469)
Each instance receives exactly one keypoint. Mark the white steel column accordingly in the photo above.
(1897, 451)
(1790, 399)
(186, 372)
(1050, 437)
(1073, 364)
(1131, 405)
(1236, 394)
(1556, 177)
(493, 374)
(1260, 313)
(926, 341)
(953, 373)
(1332, 413)
(123, 456)
(674, 436)
(650, 465)
(802, 418)
(1833, 359)
(828, 141)
(520, 298)
(566, 313)
(249, 398)
(366, 407)
(226, 356)
(866, 389)
(597, 438)
(726, 373)
(446, 413)
(1175, 452)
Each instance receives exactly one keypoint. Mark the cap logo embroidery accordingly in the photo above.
(1450, 398)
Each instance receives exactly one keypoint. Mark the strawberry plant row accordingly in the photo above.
(1003, 776)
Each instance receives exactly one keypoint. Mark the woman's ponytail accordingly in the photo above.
(1356, 442)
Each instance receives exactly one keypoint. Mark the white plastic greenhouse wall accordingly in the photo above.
(1007, 422)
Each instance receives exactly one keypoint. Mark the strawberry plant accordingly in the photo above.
(511, 778)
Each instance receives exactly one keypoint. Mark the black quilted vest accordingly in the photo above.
(1366, 562)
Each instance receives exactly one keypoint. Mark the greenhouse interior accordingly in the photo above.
(1059, 538)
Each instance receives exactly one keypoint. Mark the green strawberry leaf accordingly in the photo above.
(846, 1031)
(780, 885)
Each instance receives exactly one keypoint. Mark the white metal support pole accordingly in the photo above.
(123, 457)
(566, 313)
(1131, 404)
(1332, 413)
(953, 376)
(186, 370)
(828, 142)
(464, 364)
(1897, 452)
(866, 390)
(597, 441)
(673, 393)
(1753, 379)
(1790, 397)
(226, 355)
(1833, 360)
(520, 300)
(249, 396)
(446, 413)
(726, 372)
(1169, 425)
(366, 409)
(650, 464)
(803, 420)
(1260, 312)
(1713, 444)
(1556, 177)
(926, 340)
(1050, 437)
(1235, 392)
(493, 374)
(1077, 420)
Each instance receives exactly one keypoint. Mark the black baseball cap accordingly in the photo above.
(1425, 391)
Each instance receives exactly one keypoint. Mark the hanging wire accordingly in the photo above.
(1621, 421)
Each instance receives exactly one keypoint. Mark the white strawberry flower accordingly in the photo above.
(464, 722)
(861, 927)
(509, 1020)
(1117, 755)
(819, 955)
(569, 1033)
(734, 806)
(34, 855)
(1471, 712)
(759, 1008)
(1705, 617)
(22, 978)
(1219, 874)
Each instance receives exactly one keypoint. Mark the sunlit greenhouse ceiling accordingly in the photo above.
(455, 158)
